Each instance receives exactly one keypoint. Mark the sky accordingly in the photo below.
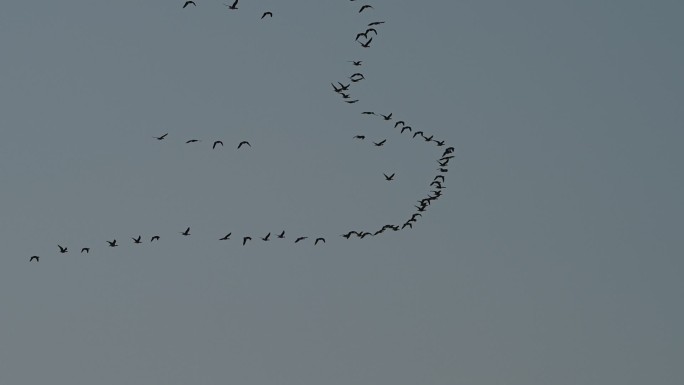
(553, 255)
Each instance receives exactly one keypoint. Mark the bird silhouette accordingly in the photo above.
(418, 133)
(387, 117)
(62, 249)
(365, 7)
(192, 141)
(37, 258)
(188, 3)
(368, 113)
(358, 35)
(371, 30)
(215, 143)
(367, 43)
(319, 239)
(376, 23)
(137, 240)
(86, 250)
(398, 123)
(390, 177)
(267, 13)
(351, 101)
(281, 235)
(440, 143)
(344, 96)
(112, 243)
(154, 238)
(227, 237)
(300, 239)
(380, 143)
(362, 137)
(266, 237)
(356, 62)
(245, 239)
(405, 128)
(186, 232)
(161, 137)
(244, 142)
(234, 6)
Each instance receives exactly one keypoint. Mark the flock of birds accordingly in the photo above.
(344, 90)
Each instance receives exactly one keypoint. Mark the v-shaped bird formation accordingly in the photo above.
(345, 91)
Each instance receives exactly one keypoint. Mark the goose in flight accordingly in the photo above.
(192, 141)
(371, 30)
(365, 7)
(390, 177)
(281, 235)
(351, 101)
(186, 232)
(62, 249)
(380, 143)
(267, 13)
(356, 62)
(112, 243)
(245, 239)
(154, 238)
(137, 240)
(358, 35)
(344, 96)
(418, 133)
(319, 239)
(227, 237)
(86, 250)
(300, 239)
(266, 237)
(398, 123)
(188, 3)
(440, 143)
(362, 137)
(357, 77)
(244, 142)
(405, 128)
(376, 23)
(215, 143)
(368, 113)
(387, 117)
(234, 6)
(367, 43)
(161, 137)
(37, 258)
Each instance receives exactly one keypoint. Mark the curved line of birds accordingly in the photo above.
(364, 39)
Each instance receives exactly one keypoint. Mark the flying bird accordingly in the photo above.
(390, 177)
(62, 249)
(368, 113)
(154, 238)
(161, 137)
(300, 239)
(192, 141)
(266, 237)
(267, 13)
(188, 3)
(356, 62)
(37, 258)
(351, 101)
(244, 142)
(281, 235)
(245, 239)
(365, 7)
(398, 123)
(387, 117)
(362, 137)
(215, 143)
(371, 30)
(319, 239)
(405, 128)
(227, 237)
(234, 6)
(112, 243)
(137, 240)
(186, 232)
(380, 143)
(86, 250)
(367, 43)
(376, 23)
(440, 143)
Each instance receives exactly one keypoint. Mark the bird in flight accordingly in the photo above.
(86, 250)
(192, 141)
(245, 239)
(215, 143)
(188, 3)
(367, 43)
(376, 23)
(362, 137)
(405, 128)
(365, 7)
(398, 123)
(244, 142)
(319, 239)
(387, 117)
(112, 243)
(234, 6)
(266, 237)
(154, 238)
(137, 240)
(227, 237)
(368, 113)
(267, 13)
(62, 249)
(351, 101)
(186, 232)
(356, 62)
(390, 177)
(37, 258)
(300, 239)
(161, 137)
(380, 143)
(281, 235)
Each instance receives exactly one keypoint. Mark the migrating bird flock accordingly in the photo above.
(344, 89)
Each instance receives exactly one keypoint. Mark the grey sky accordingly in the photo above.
(554, 256)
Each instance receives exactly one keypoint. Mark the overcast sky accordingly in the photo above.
(553, 256)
